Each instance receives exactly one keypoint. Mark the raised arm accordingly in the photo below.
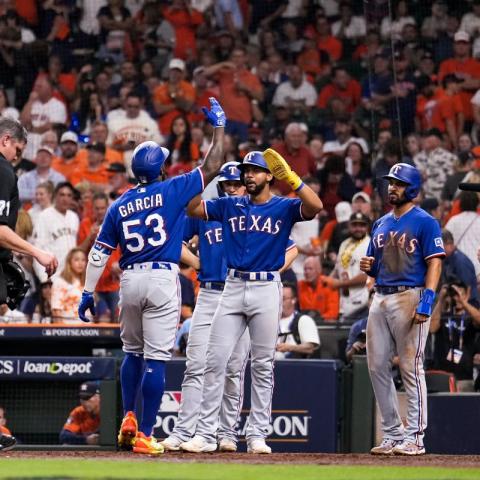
(214, 158)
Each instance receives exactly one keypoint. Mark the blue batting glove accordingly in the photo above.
(86, 303)
(426, 302)
(216, 115)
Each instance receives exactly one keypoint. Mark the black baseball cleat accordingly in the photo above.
(7, 442)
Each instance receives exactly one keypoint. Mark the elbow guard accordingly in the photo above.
(426, 302)
(99, 255)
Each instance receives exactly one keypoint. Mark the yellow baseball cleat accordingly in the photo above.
(128, 431)
(147, 445)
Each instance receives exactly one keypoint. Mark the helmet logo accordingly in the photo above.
(395, 169)
(233, 170)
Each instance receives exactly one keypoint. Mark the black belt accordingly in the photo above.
(393, 289)
(219, 286)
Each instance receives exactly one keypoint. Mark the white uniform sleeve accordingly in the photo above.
(308, 330)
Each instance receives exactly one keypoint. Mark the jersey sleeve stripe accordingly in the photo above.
(202, 179)
(205, 211)
(435, 255)
(293, 245)
(105, 245)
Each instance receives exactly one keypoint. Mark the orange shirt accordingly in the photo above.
(309, 61)
(83, 173)
(107, 282)
(184, 24)
(162, 96)
(66, 169)
(5, 430)
(201, 100)
(27, 9)
(81, 421)
(468, 68)
(446, 108)
(350, 95)
(323, 299)
(111, 156)
(332, 46)
(237, 105)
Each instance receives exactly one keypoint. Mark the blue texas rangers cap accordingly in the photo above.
(229, 172)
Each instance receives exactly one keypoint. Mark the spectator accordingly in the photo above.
(91, 110)
(41, 112)
(447, 114)
(50, 139)
(362, 203)
(325, 40)
(3, 422)
(433, 208)
(185, 21)
(314, 294)
(297, 155)
(342, 86)
(83, 424)
(349, 27)
(115, 24)
(465, 227)
(265, 14)
(358, 167)
(298, 335)
(313, 62)
(340, 230)
(202, 95)
(43, 199)
(184, 153)
(229, 16)
(67, 162)
(463, 164)
(109, 284)
(99, 134)
(464, 67)
(296, 94)
(392, 28)
(174, 97)
(471, 20)
(435, 24)
(43, 309)
(56, 228)
(343, 134)
(68, 286)
(95, 170)
(347, 277)
(458, 266)
(434, 163)
(455, 321)
(357, 339)
(130, 127)
(118, 181)
(238, 89)
(43, 172)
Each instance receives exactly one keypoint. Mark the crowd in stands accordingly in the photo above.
(342, 89)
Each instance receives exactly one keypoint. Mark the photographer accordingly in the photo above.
(455, 321)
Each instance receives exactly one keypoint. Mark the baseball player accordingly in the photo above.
(255, 229)
(405, 258)
(212, 276)
(147, 221)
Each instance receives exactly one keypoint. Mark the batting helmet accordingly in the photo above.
(254, 158)
(229, 172)
(403, 172)
(147, 161)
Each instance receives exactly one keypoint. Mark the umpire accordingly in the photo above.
(13, 139)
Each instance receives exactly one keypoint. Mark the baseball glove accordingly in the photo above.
(281, 169)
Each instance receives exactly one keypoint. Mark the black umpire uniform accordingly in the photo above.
(9, 205)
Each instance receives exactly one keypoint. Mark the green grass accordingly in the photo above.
(103, 469)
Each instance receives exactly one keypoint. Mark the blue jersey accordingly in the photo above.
(402, 246)
(147, 221)
(213, 265)
(256, 235)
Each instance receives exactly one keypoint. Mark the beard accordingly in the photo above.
(254, 189)
(397, 201)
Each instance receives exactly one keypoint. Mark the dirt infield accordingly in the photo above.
(460, 461)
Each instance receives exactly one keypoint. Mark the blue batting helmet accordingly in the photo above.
(229, 172)
(403, 172)
(147, 161)
(254, 158)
